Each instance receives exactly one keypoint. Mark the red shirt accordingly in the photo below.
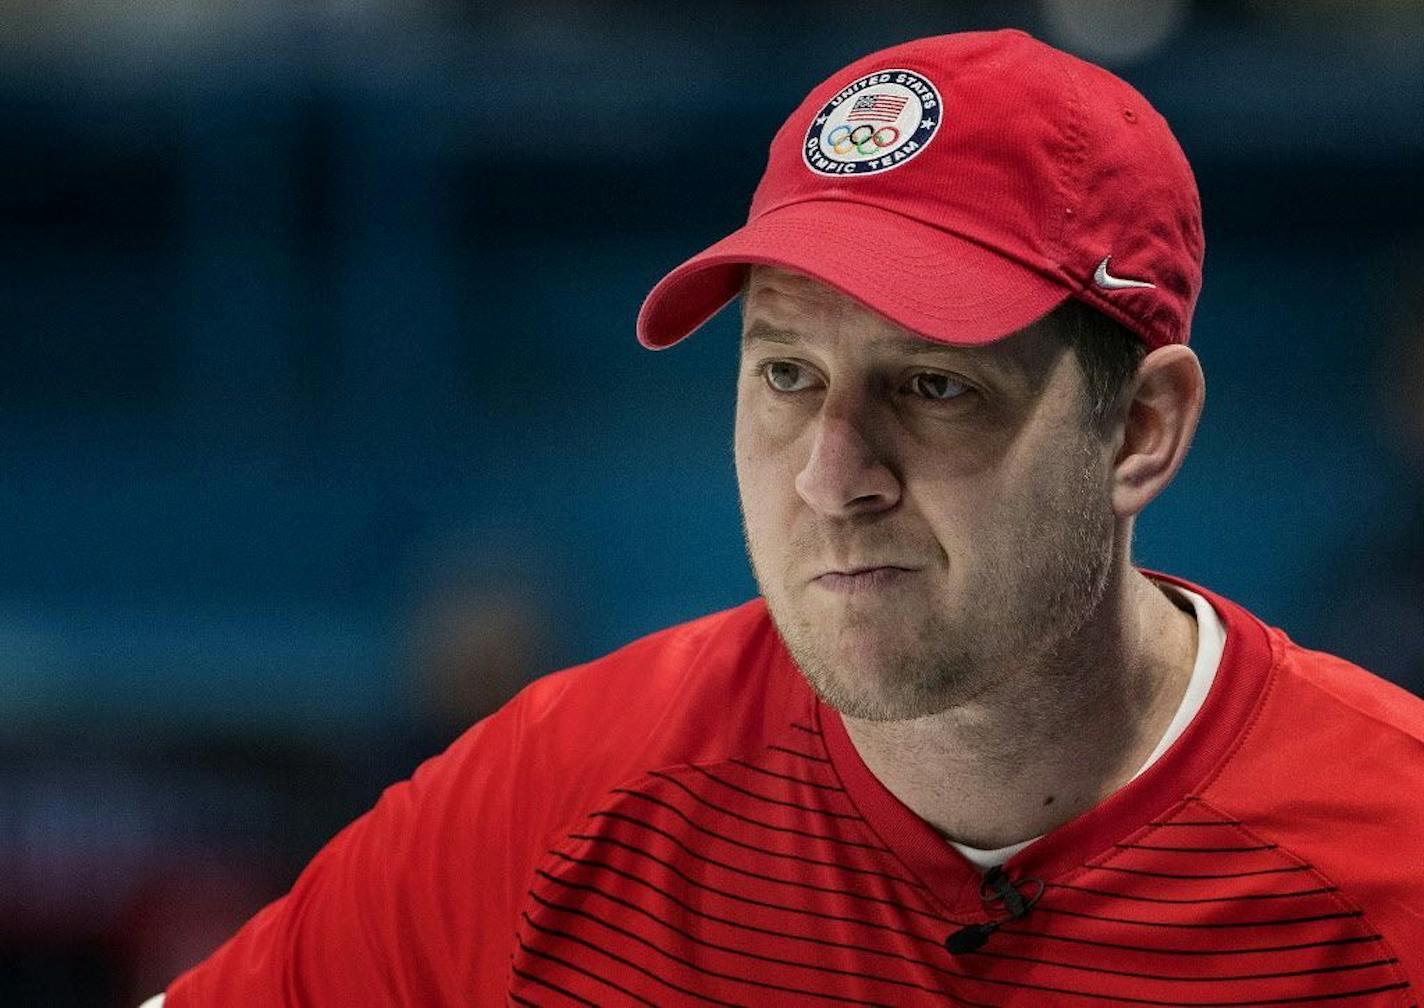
(682, 822)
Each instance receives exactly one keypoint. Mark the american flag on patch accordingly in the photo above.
(877, 108)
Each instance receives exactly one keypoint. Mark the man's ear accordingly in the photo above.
(1162, 412)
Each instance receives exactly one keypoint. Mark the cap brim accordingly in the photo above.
(933, 283)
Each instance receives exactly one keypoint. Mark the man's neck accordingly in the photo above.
(1047, 742)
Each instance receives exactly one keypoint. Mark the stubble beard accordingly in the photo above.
(1028, 609)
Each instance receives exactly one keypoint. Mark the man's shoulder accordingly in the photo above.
(1329, 735)
(1353, 693)
(487, 812)
(1329, 771)
(704, 690)
(1303, 693)
(667, 666)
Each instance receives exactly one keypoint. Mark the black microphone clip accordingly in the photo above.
(967, 939)
(973, 936)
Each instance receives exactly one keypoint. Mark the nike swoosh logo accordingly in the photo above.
(1107, 281)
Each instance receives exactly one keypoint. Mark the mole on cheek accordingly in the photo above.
(1048, 800)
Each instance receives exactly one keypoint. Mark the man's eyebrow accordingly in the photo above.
(764, 332)
(907, 346)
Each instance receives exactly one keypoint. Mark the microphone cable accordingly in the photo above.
(1005, 890)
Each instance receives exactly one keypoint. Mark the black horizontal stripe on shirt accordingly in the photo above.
(519, 1000)
(727, 921)
(829, 890)
(533, 978)
(1198, 822)
(660, 775)
(787, 777)
(705, 971)
(1212, 924)
(616, 958)
(1100, 996)
(1197, 850)
(1302, 999)
(805, 728)
(889, 876)
(1204, 899)
(1221, 978)
(1152, 950)
(737, 897)
(744, 953)
(853, 817)
(799, 755)
(1203, 875)
(1255, 1003)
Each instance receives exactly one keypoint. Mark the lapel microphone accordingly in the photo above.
(973, 936)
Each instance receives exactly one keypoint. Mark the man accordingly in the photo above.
(960, 751)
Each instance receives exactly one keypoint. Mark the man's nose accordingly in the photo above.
(845, 476)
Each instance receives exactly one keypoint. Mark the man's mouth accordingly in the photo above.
(861, 579)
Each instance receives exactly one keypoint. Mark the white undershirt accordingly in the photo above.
(1211, 640)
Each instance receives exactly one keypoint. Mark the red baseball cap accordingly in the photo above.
(962, 186)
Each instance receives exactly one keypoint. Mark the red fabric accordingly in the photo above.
(1039, 166)
(681, 822)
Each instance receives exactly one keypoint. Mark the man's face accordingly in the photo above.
(971, 473)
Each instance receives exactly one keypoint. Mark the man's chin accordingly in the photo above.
(858, 630)
(871, 684)
(878, 702)
(861, 683)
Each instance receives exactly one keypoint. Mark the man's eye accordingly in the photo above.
(935, 386)
(783, 376)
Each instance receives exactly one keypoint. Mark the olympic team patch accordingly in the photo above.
(877, 123)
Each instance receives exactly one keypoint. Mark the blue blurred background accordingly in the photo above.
(324, 426)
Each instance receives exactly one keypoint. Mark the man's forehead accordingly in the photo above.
(781, 306)
(786, 308)
(779, 293)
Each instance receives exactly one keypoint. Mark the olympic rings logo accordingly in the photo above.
(863, 139)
